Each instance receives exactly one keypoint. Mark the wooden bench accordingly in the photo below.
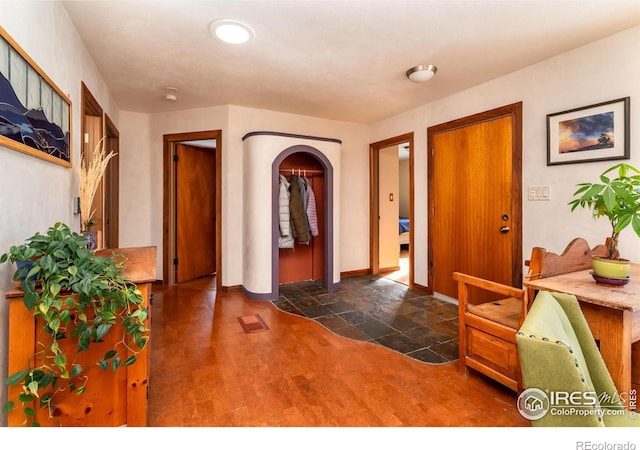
(487, 326)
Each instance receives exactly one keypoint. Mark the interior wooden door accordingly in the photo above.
(474, 196)
(195, 212)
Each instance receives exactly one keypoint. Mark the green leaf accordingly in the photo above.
(104, 365)
(54, 324)
(7, 407)
(110, 354)
(55, 289)
(29, 412)
(46, 379)
(60, 361)
(25, 398)
(81, 389)
(17, 377)
(130, 360)
(102, 329)
(33, 387)
(75, 370)
(116, 363)
(30, 300)
(43, 308)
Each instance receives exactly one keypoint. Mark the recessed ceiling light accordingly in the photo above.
(230, 31)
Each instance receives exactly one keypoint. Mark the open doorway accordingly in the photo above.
(391, 205)
(192, 206)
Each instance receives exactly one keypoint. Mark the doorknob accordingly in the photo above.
(504, 229)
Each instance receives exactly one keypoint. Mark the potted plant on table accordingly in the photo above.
(616, 197)
(80, 301)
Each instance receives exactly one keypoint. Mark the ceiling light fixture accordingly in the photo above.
(170, 94)
(231, 31)
(421, 73)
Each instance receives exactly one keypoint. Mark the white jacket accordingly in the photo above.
(285, 240)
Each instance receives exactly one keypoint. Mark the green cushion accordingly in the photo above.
(559, 355)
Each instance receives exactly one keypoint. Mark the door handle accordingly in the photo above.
(504, 229)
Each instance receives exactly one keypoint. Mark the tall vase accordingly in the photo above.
(92, 239)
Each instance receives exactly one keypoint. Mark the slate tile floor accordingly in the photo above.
(381, 311)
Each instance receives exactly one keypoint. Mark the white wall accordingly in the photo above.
(37, 193)
(605, 70)
(142, 217)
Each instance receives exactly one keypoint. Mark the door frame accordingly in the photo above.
(111, 233)
(374, 212)
(91, 108)
(514, 111)
(169, 142)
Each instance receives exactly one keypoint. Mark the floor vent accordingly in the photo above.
(252, 323)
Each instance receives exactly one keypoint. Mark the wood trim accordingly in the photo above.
(112, 185)
(92, 113)
(90, 105)
(373, 201)
(168, 187)
(513, 110)
(355, 273)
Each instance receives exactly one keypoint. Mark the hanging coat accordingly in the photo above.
(285, 239)
(312, 213)
(300, 229)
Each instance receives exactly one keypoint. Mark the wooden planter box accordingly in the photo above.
(111, 398)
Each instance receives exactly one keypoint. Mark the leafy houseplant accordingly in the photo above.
(616, 197)
(78, 297)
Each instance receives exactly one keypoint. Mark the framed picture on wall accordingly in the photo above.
(592, 133)
(35, 115)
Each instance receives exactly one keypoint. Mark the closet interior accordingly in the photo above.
(304, 261)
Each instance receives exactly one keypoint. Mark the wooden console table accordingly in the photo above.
(613, 315)
(115, 399)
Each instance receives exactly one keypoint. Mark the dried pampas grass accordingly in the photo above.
(91, 173)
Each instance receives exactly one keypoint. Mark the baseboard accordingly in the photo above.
(355, 273)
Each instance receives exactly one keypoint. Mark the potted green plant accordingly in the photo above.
(78, 297)
(616, 197)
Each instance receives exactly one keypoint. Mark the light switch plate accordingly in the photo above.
(537, 193)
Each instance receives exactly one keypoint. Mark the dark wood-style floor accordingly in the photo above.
(207, 372)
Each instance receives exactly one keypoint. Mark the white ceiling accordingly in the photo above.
(343, 60)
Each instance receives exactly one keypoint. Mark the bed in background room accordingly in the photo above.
(403, 223)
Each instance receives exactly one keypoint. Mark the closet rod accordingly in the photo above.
(302, 171)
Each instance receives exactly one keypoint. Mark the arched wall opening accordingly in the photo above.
(327, 214)
(263, 154)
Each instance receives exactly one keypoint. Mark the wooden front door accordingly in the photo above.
(475, 199)
(195, 212)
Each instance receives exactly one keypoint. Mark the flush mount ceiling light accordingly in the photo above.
(421, 73)
(170, 94)
(230, 31)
